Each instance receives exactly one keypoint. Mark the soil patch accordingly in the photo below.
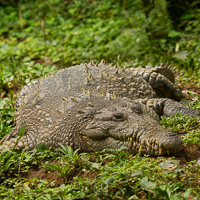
(188, 153)
(40, 173)
(190, 87)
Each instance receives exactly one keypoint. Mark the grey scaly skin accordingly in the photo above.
(161, 79)
(92, 107)
(163, 69)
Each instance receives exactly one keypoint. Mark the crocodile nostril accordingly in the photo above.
(171, 141)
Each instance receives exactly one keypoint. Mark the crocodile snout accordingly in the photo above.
(170, 141)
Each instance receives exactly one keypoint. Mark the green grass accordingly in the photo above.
(41, 37)
(113, 175)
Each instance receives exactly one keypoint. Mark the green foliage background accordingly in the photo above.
(39, 37)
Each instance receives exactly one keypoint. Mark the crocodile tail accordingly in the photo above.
(10, 140)
(171, 108)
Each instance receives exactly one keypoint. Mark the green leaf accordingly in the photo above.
(187, 194)
(170, 164)
(147, 184)
(182, 55)
(109, 180)
(41, 146)
(3, 102)
(21, 134)
(161, 192)
(162, 3)
(95, 165)
(174, 33)
(134, 197)
(137, 173)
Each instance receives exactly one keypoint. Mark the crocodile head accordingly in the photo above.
(128, 124)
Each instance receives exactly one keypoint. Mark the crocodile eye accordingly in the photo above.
(118, 117)
(137, 108)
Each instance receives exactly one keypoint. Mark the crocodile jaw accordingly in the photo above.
(167, 143)
(134, 141)
(160, 144)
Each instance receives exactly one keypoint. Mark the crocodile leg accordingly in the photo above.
(161, 85)
(169, 107)
(162, 69)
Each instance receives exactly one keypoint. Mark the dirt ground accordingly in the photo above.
(190, 87)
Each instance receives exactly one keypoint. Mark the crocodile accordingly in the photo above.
(94, 106)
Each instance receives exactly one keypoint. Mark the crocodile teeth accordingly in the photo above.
(141, 149)
(160, 151)
(148, 149)
(148, 145)
(156, 147)
(130, 140)
(168, 152)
